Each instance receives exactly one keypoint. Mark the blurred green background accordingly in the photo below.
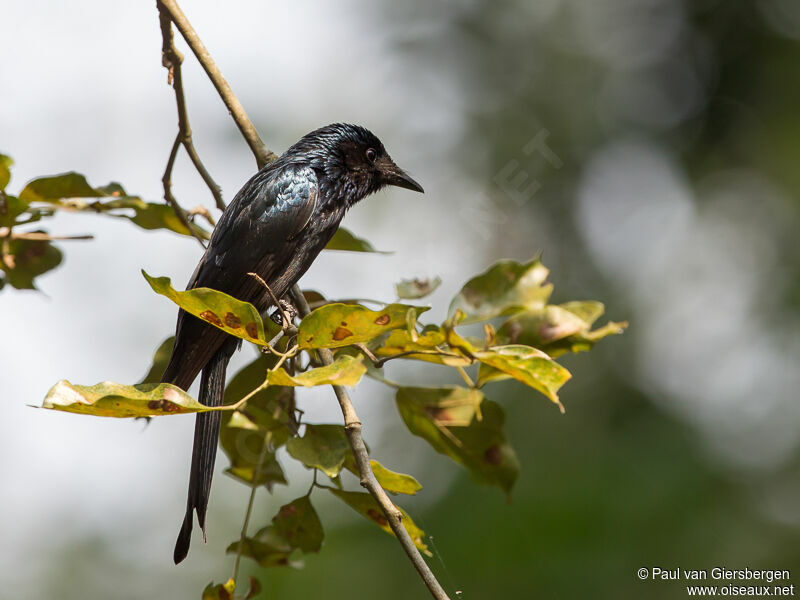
(649, 148)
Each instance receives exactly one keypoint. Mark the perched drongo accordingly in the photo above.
(275, 226)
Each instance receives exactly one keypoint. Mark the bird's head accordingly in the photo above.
(350, 162)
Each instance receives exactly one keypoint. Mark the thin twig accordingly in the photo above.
(235, 108)
(379, 362)
(172, 59)
(284, 315)
(352, 427)
(253, 488)
(465, 376)
(166, 180)
(38, 236)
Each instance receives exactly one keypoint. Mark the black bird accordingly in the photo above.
(275, 226)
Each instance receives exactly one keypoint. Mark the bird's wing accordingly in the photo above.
(254, 234)
(268, 212)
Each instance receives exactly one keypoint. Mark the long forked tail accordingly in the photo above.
(206, 434)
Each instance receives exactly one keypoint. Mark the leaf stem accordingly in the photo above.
(255, 485)
(465, 376)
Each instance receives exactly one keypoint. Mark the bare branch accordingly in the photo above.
(166, 180)
(352, 427)
(172, 59)
(235, 108)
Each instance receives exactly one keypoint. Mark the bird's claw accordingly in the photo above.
(285, 308)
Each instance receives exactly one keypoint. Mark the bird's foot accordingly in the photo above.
(287, 309)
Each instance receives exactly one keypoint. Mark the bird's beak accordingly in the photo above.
(394, 175)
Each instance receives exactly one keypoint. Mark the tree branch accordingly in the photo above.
(352, 427)
(235, 108)
(171, 58)
(166, 181)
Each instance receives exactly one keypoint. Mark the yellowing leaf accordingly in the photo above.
(462, 424)
(345, 370)
(109, 399)
(425, 347)
(506, 287)
(220, 591)
(336, 325)
(398, 483)
(366, 505)
(557, 329)
(238, 318)
(528, 365)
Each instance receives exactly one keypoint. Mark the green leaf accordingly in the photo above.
(345, 370)
(151, 216)
(109, 399)
(69, 191)
(160, 360)
(505, 288)
(336, 325)
(343, 239)
(366, 505)
(56, 187)
(219, 591)
(398, 483)
(532, 367)
(240, 319)
(323, 447)
(243, 442)
(559, 328)
(413, 289)
(298, 523)
(463, 425)
(10, 208)
(243, 433)
(266, 547)
(5, 170)
(24, 260)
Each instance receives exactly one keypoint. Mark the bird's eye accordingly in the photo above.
(371, 155)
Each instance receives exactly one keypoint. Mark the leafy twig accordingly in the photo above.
(352, 427)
